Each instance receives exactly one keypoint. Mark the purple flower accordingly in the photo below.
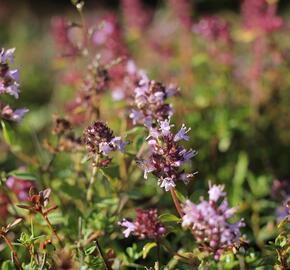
(165, 127)
(136, 116)
(147, 166)
(9, 79)
(15, 116)
(124, 79)
(215, 192)
(208, 222)
(166, 156)
(181, 134)
(167, 183)
(283, 211)
(150, 103)
(7, 56)
(130, 227)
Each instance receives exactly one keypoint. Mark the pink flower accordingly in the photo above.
(208, 222)
(145, 225)
(20, 187)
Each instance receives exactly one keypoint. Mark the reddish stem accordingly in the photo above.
(176, 202)
(51, 227)
(15, 257)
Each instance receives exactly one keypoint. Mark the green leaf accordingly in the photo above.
(23, 175)
(7, 133)
(180, 196)
(239, 177)
(8, 265)
(135, 130)
(168, 218)
(147, 248)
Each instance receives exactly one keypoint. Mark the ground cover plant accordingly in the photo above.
(145, 137)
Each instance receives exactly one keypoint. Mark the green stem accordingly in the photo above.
(92, 180)
(158, 254)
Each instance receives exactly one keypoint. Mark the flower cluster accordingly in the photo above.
(283, 210)
(183, 10)
(209, 223)
(136, 15)
(126, 80)
(20, 187)
(108, 38)
(85, 105)
(9, 84)
(150, 102)
(261, 15)
(212, 28)
(8, 78)
(146, 225)
(167, 156)
(12, 115)
(60, 29)
(100, 141)
(38, 202)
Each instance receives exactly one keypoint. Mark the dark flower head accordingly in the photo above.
(100, 141)
(145, 225)
(61, 126)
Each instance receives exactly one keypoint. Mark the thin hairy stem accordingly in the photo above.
(51, 228)
(92, 180)
(176, 202)
(13, 251)
(106, 263)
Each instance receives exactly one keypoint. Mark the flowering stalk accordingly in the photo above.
(9, 84)
(167, 156)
